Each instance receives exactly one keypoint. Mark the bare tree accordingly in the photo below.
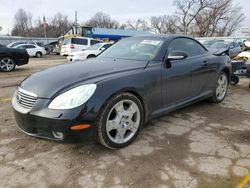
(59, 25)
(221, 18)
(102, 20)
(138, 24)
(186, 12)
(22, 25)
(163, 24)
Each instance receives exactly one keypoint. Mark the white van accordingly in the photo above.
(75, 44)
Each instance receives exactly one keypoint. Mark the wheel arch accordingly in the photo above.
(91, 55)
(136, 94)
(228, 73)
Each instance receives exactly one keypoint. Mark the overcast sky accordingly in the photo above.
(121, 10)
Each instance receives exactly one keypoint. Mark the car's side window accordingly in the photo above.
(30, 46)
(92, 42)
(79, 41)
(189, 46)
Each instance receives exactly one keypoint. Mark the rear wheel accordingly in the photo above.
(220, 89)
(120, 121)
(7, 64)
(39, 54)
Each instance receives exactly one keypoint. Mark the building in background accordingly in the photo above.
(103, 34)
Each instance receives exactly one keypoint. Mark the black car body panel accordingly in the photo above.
(74, 74)
(160, 87)
(20, 56)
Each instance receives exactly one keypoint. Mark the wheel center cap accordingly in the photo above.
(124, 122)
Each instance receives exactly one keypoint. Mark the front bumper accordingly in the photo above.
(53, 124)
(50, 128)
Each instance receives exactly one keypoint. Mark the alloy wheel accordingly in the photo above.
(7, 64)
(221, 88)
(123, 121)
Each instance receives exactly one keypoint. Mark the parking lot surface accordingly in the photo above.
(203, 145)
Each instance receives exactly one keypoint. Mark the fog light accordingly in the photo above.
(58, 135)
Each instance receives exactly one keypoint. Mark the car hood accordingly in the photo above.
(218, 51)
(49, 82)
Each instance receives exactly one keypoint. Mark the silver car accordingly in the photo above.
(233, 48)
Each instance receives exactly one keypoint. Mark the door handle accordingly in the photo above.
(205, 63)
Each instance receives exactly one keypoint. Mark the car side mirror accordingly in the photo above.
(102, 49)
(176, 55)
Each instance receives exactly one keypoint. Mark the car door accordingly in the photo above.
(80, 44)
(184, 79)
(31, 49)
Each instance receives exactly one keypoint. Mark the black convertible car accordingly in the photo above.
(10, 57)
(110, 98)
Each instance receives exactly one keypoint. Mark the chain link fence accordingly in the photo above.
(5, 40)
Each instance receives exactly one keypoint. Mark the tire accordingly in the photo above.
(91, 56)
(7, 64)
(120, 121)
(221, 87)
(234, 80)
(39, 54)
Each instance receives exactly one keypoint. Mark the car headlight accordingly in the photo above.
(73, 98)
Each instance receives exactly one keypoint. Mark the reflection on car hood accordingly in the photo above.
(50, 81)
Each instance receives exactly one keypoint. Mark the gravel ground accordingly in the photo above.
(203, 145)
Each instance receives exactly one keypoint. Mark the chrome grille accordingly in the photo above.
(25, 99)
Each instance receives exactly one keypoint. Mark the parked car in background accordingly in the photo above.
(208, 43)
(90, 52)
(233, 48)
(75, 44)
(246, 45)
(11, 57)
(50, 47)
(33, 50)
(109, 98)
(16, 43)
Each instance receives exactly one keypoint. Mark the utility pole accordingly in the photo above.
(76, 18)
(44, 26)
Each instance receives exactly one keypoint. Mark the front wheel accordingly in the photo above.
(220, 89)
(7, 64)
(120, 121)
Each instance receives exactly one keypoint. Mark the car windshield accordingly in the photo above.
(134, 49)
(95, 46)
(219, 45)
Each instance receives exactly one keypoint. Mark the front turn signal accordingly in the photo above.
(79, 127)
